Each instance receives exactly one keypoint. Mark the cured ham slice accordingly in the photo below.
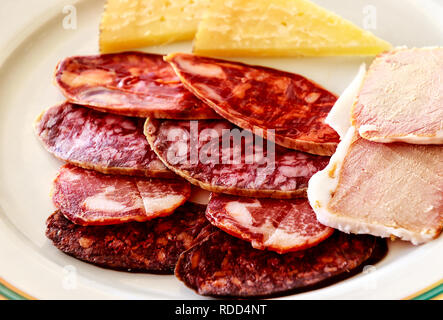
(129, 83)
(87, 197)
(254, 97)
(381, 189)
(401, 98)
(216, 156)
(277, 225)
(152, 246)
(95, 140)
(221, 265)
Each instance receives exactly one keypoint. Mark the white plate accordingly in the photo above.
(32, 40)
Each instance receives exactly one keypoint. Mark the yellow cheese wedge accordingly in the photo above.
(128, 24)
(280, 28)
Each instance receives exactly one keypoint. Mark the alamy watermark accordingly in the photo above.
(369, 17)
(370, 281)
(70, 19)
(213, 146)
(69, 281)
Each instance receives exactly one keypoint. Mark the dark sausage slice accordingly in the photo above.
(222, 265)
(88, 197)
(101, 141)
(255, 97)
(152, 246)
(133, 84)
(273, 224)
(212, 155)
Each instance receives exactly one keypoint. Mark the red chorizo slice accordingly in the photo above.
(198, 152)
(254, 97)
(101, 141)
(129, 83)
(225, 266)
(152, 246)
(88, 197)
(273, 224)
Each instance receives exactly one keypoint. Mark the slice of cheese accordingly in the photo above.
(280, 28)
(128, 24)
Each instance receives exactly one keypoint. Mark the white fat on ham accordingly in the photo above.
(199, 195)
(381, 189)
(409, 138)
(104, 202)
(89, 77)
(240, 211)
(211, 93)
(155, 205)
(292, 172)
(339, 116)
(107, 97)
(162, 197)
(203, 69)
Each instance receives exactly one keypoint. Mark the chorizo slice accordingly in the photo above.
(218, 157)
(132, 84)
(255, 97)
(101, 141)
(221, 265)
(88, 197)
(272, 224)
(152, 246)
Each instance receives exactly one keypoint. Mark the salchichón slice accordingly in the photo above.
(101, 141)
(218, 157)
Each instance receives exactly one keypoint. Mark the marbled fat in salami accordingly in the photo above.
(273, 224)
(254, 170)
(152, 246)
(255, 97)
(129, 83)
(95, 140)
(222, 265)
(88, 197)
